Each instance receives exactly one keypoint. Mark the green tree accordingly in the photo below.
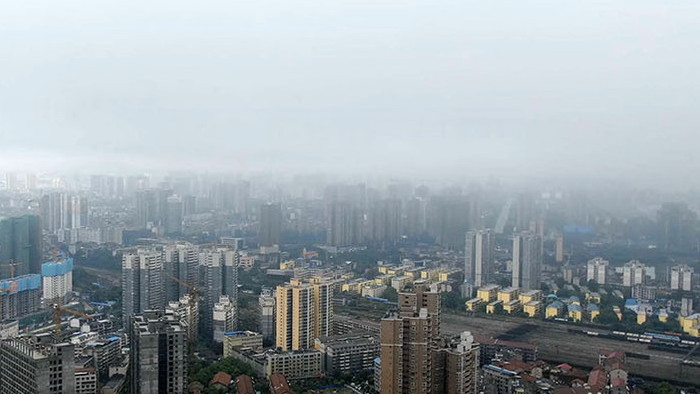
(390, 294)
(452, 300)
(607, 317)
(593, 285)
(664, 388)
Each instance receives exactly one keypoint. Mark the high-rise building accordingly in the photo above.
(559, 249)
(267, 314)
(187, 314)
(406, 340)
(224, 316)
(158, 353)
(416, 359)
(173, 222)
(633, 273)
(78, 212)
(180, 261)
(597, 270)
(344, 227)
(146, 209)
(219, 277)
(270, 224)
(142, 282)
(304, 313)
(415, 217)
(21, 296)
(63, 211)
(449, 218)
(455, 366)
(57, 279)
(385, 222)
(677, 227)
(478, 258)
(527, 261)
(20, 246)
(682, 277)
(36, 365)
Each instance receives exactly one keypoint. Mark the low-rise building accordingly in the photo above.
(348, 353)
(488, 293)
(492, 306)
(399, 282)
(279, 385)
(241, 339)
(533, 308)
(512, 306)
(244, 385)
(575, 312)
(298, 364)
(508, 294)
(593, 311)
(473, 304)
(530, 295)
(555, 309)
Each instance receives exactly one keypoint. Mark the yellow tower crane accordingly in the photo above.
(57, 309)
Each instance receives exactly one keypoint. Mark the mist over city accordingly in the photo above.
(369, 197)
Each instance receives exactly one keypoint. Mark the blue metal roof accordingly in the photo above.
(57, 268)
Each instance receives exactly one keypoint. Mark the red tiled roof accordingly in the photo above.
(279, 385)
(221, 378)
(597, 378)
(244, 385)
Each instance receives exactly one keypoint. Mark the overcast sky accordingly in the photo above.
(404, 86)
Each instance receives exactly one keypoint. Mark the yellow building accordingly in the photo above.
(473, 304)
(593, 297)
(383, 269)
(488, 293)
(304, 313)
(533, 308)
(575, 312)
(555, 309)
(689, 322)
(383, 279)
(413, 273)
(618, 312)
(663, 316)
(288, 265)
(694, 331)
(508, 294)
(641, 317)
(430, 274)
(530, 295)
(512, 306)
(491, 307)
(356, 286)
(445, 276)
(395, 271)
(593, 311)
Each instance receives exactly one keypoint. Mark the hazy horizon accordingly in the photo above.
(451, 88)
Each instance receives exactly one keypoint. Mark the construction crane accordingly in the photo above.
(193, 293)
(57, 309)
(13, 268)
